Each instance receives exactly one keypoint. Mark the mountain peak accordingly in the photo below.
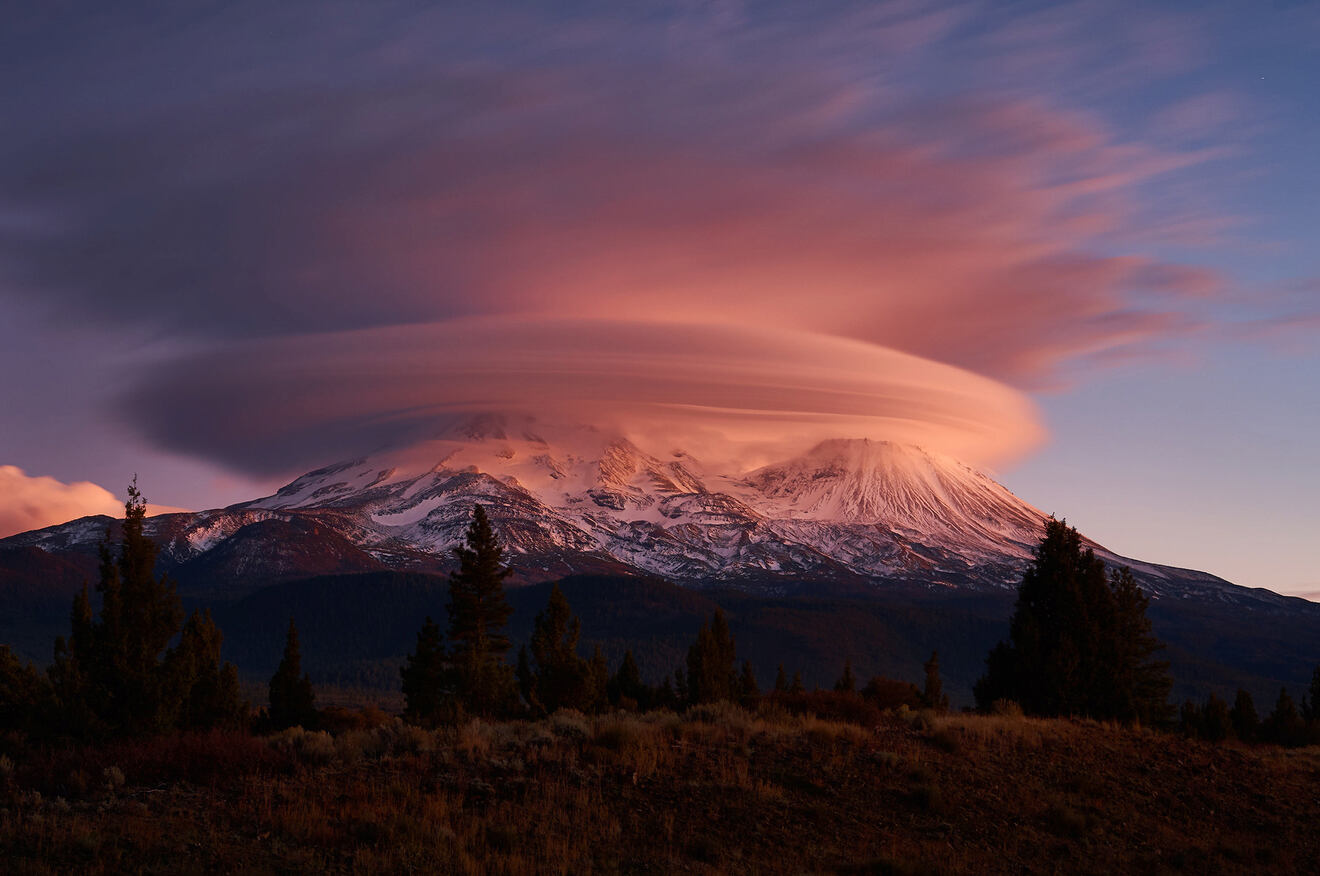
(899, 486)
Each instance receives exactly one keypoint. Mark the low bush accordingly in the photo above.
(212, 758)
(830, 705)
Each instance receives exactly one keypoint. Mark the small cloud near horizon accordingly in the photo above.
(35, 502)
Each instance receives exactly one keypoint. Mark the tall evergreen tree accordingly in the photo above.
(627, 687)
(847, 682)
(1311, 701)
(933, 691)
(76, 706)
(140, 614)
(25, 694)
(748, 690)
(563, 680)
(426, 678)
(202, 692)
(1246, 723)
(292, 699)
(478, 613)
(1216, 722)
(1079, 643)
(781, 680)
(526, 677)
(711, 675)
(1138, 685)
(1284, 726)
(113, 674)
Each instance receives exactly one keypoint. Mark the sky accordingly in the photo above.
(1072, 243)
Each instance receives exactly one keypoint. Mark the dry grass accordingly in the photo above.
(719, 789)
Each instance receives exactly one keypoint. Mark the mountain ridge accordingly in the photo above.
(844, 516)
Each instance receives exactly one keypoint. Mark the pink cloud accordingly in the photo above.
(959, 235)
(742, 393)
(36, 502)
(771, 174)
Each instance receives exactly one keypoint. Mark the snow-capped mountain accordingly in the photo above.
(847, 513)
(869, 510)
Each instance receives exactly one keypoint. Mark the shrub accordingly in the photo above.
(215, 758)
(830, 706)
(568, 724)
(886, 693)
(306, 746)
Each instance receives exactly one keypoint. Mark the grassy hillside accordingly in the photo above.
(718, 789)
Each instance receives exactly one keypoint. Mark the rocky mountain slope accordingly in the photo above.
(848, 515)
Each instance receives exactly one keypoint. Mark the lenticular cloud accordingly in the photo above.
(729, 392)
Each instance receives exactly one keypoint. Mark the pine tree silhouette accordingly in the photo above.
(933, 692)
(478, 612)
(710, 663)
(426, 679)
(292, 699)
(113, 675)
(563, 680)
(847, 682)
(1079, 643)
(1246, 723)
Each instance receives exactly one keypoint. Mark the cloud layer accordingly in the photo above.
(343, 207)
(714, 390)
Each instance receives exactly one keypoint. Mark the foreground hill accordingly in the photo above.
(716, 790)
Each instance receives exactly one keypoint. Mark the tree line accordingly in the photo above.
(1079, 644)
(117, 673)
(444, 680)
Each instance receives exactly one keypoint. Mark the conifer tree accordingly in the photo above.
(847, 682)
(478, 612)
(667, 696)
(1246, 723)
(1079, 643)
(292, 699)
(25, 694)
(1138, 685)
(563, 680)
(526, 677)
(74, 703)
(627, 688)
(119, 656)
(711, 676)
(748, 690)
(796, 687)
(1189, 719)
(1311, 702)
(682, 693)
(202, 692)
(113, 675)
(933, 692)
(781, 680)
(1215, 721)
(425, 677)
(1284, 726)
